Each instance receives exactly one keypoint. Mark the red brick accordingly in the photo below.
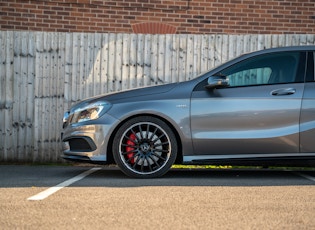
(239, 16)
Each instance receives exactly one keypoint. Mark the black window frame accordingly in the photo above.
(310, 68)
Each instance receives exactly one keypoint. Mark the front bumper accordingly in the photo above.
(88, 142)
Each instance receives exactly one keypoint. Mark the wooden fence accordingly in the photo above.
(42, 74)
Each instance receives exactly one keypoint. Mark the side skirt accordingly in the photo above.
(274, 159)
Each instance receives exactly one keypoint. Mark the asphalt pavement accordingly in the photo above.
(96, 197)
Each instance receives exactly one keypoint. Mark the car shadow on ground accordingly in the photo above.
(208, 177)
(14, 176)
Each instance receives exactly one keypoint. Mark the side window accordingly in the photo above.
(272, 68)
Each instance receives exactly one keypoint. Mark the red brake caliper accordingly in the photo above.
(129, 148)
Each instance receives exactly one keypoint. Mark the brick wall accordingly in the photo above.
(179, 16)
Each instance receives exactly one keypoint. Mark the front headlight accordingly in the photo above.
(89, 112)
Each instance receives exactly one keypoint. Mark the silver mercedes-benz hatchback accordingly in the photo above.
(257, 109)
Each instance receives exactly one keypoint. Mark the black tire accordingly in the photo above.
(144, 147)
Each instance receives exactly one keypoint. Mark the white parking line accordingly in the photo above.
(306, 176)
(43, 195)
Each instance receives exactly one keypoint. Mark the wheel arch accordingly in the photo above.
(179, 158)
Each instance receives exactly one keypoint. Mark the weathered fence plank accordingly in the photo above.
(42, 74)
(6, 100)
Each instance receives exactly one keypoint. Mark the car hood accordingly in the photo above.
(139, 92)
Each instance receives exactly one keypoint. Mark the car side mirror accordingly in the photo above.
(215, 82)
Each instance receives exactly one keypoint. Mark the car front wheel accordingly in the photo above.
(144, 147)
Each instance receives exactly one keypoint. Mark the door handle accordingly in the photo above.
(282, 92)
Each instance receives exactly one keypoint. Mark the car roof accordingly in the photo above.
(273, 50)
(285, 48)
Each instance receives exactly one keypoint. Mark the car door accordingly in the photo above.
(258, 113)
(307, 125)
